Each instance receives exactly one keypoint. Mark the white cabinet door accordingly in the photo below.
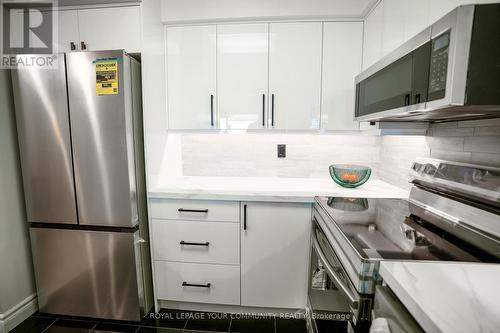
(111, 28)
(242, 76)
(295, 75)
(275, 254)
(342, 53)
(191, 71)
(393, 24)
(372, 39)
(416, 17)
(68, 30)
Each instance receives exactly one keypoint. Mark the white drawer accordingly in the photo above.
(197, 210)
(217, 284)
(213, 242)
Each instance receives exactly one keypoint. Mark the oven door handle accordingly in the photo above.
(353, 299)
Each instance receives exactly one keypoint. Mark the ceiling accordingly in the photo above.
(220, 9)
(180, 11)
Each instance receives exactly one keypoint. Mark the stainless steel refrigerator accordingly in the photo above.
(81, 145)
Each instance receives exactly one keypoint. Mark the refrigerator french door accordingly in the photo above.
(81, 146)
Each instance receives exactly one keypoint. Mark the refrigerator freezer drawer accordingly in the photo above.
(88, 273)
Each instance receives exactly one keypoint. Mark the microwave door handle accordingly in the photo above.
(417, 98)
(353, 299)
(407, 99)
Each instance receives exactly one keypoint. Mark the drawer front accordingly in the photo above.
(201, 283)
(196, 210)
(202, 242)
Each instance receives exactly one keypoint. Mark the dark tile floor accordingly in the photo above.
(167, 321)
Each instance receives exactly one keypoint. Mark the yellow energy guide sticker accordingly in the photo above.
(106, 75)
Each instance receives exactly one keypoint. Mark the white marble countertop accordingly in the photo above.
(266, 189)
(447, 297)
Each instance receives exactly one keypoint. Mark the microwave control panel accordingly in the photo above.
(439, 66)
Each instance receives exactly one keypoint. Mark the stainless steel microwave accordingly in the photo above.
(450, 71)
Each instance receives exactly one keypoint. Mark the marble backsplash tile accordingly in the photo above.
(476, 142)
(254, 155)
(309, 155)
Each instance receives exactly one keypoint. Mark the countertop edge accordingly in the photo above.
(230, 197)
(304, 192)
(407, 300)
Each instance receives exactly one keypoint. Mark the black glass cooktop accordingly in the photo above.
(386, 229)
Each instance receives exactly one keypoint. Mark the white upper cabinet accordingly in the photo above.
(295, 75)
(111, 28)
(96, 29)
(342, 53)
(416, 18)
(242, 75)
(275, 240)
(393, 22)
(68, 34)
(372, 39)
(403, 19)
(191, 77)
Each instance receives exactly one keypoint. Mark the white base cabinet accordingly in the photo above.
(197, 242)
(234, 253)
(275, 241)
(199, 283)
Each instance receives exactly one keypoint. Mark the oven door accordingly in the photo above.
(332, 296)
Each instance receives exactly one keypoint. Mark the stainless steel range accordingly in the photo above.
(452, 214)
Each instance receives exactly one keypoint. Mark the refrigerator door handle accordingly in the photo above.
(140, 240)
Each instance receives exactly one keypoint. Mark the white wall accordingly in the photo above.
(16, 274)
(220, 10)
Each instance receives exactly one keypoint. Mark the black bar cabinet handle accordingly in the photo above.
(72, 46)
(407, 99)
(186, 284)
(193, 210)
(263, 110)
(417, 98)
(212, 110)
(272, 110)
(244, 217)
(83, 46)
(194, 243)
